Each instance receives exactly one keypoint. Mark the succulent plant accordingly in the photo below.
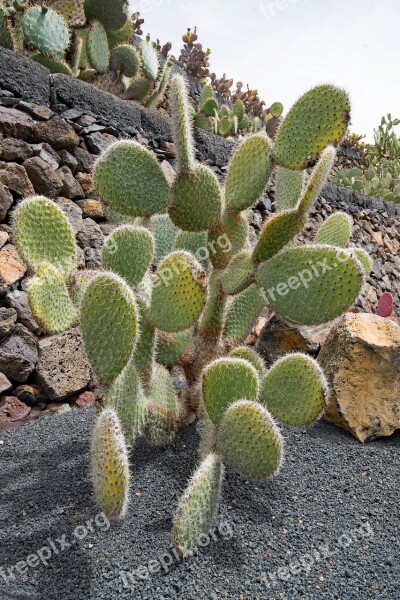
(193, 58)
(180, 284)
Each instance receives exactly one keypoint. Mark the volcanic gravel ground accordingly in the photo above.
(326, 527)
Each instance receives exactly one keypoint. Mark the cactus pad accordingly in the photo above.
(49, 301)
(109, 465)
(250, 441)
(197, 200)
(149, 60)
(335, 231)
(276, 234)
(288, 187)
(228, 238)
(163, 410)
(127, 398)
(125, 60)
(225, 381)
(198, 505)
(363, 258)
(130, 180)
(182, 125)
(318, 179)
(109, 323)
(172, 347)
(113, 14)
(310, 284)
(54, 65)
(194, 242)
(317, 119)
(128, 252)
(46, 31)
(239, 273)
(247, 353)
(165, 235)
(43, 234)
(97, 47)
(179, 293)
(295, 390)
(243, 313)
(6, 33)
(248, 172)
(138, 89)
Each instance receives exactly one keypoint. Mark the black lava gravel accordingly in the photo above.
(326, 527)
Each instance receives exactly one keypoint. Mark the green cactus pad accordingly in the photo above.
(157, 96)
(197, 200)
(225, 381)
(179, 293)
(317, 119)
(239, 273)
(171, 347)
(335, 231)
(130, 180)
(109, 323)
(310, 285)
(128, 252)
(165, 235)
(122, 35)
(277, 233)
(43, 233)
(127, 398)
(163, 410)
(248, 172)
(198, 505)
(125, 60)
(317, 181)
(97, 47)
(49, 301)
(295, 390)
(228, 238)
(150, 63)
(243, 313)
(46, 31)
(194, 242)
(288, 187)
(54, 65)
(138, 89)
(145, 348)
(182, 125)
(109, 465)
(276, 109)
(87, 74)
(6, 33)
(210, 106)
(201, 121)
(113, 14)
(250, 441)
(247, 353)
(224, 126)
(78, 283)
(117, 218)
(363, 258)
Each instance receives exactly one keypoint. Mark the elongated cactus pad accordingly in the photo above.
(46, 31)
(54, 65)
(145, 348)
(317, 181)
(97, 47)
(198, 505)
(163, 411)
(179, 292)
(239, 273)
(127, 398)
(197, 200)
(128, 252)
(295, 390)
(317, 119)
(109, 465)
(278, 231)
(243, 313)
(171, 347)
(225, 381)
(125, 60)
(250, 441)
(165, 235)
(113, 14)
(248, 172)
(247, 353)
(288, 187)
(310, 284)
(43, 233)
(7, 39)
(49, 301)
(150, 63)
(129, 179)
(363, 258)
(335, 231)
(161, 86)
(109, 323)
(182, 125)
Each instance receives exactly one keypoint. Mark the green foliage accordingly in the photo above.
(46, 31)
(111, 13)
(97, 47)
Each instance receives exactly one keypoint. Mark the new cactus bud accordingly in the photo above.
(109, 465)
(335, 231)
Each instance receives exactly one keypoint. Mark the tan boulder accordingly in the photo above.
(361, 360)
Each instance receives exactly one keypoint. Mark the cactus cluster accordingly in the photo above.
(181, 285)
(89, 39)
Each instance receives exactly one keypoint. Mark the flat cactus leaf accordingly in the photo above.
(138, 89)
(363, 258)
(198, 505)
(145, 347)
(165, 235)
(120, 36)
(49, 300)
(109, 323)
(182, 124)
(228, 238)
(317, 181)
(295, 390)
(289, 186)
(163, 410)
(250, 441)
(7, 39)
(335, 231)
(179, 293)
(125, 60)
(54, 65)
(130, 180)
(194, 242)
(109, 465)
(117, 218)
(46, 31)
(172, 347)
(43, 233)
(248, 172)
(226, 380)
(150, 64)
(312, 284)
(239, 273)
(277, 233)
(320, 117)
(243, 313)
(97, 47)
(247, 353)
(128, 252)
(113, 14)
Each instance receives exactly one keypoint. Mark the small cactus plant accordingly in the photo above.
(181, 285)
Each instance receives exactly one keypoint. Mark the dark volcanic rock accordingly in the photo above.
(18, 354)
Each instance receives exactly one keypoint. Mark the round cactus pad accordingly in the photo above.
(46, 31)
(335, 231)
